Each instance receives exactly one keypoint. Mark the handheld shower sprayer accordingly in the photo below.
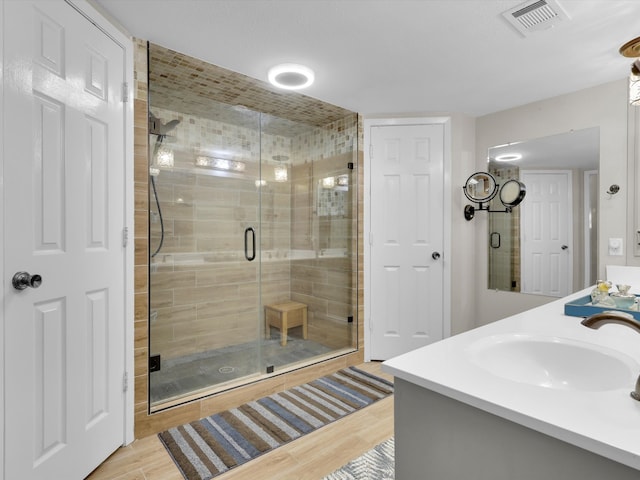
(161, 130)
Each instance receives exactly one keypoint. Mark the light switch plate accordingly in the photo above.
(616, 247)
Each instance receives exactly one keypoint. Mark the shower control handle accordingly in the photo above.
(248, 231)
(22, 280)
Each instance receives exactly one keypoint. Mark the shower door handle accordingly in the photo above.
(246, 243)
(495, 240)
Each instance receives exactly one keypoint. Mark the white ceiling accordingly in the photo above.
(398, 56)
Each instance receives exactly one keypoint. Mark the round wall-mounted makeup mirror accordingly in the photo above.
(480, 187)
(512, 193)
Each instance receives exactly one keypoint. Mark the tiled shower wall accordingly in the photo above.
(326, 281)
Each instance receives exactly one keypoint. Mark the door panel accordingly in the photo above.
(407, 228)
(546, 220)
(64, 208)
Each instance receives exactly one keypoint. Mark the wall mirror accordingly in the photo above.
(547, 246)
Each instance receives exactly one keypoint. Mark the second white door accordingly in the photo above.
(406, 238)
(546, 233)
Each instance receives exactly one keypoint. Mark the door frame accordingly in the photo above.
(446, 253)
(91, 12)
(589, 248)
(2, 76)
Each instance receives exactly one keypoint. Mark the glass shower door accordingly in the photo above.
(205, 307)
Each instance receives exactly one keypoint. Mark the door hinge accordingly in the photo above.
(370, 151)
(125, 236)
(125, 381)
(370, 238)
(125, 92)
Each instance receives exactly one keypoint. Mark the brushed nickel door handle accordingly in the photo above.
(22, 280)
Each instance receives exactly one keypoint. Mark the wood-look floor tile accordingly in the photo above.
(310, 457)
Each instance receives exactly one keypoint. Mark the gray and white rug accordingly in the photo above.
(376, 464)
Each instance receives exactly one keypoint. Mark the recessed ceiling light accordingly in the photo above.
(291, 76)
(511, 157)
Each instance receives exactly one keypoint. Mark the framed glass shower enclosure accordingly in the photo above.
(249, 211)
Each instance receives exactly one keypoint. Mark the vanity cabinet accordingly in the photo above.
(533, 396)
(437, 437)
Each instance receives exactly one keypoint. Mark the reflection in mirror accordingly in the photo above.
(547, 246)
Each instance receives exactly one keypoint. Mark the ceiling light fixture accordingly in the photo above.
(291, 76)
(509, 157)
(631, 49)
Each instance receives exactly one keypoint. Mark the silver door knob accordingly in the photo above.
(435, 255)
(22, 280)
(564, 247)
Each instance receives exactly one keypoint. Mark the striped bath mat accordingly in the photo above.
(213, 445)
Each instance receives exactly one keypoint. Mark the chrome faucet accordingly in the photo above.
(599, 319)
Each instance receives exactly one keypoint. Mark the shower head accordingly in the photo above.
(156, 127)
(171, 125)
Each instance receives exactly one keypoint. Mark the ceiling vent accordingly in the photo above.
(534, 16)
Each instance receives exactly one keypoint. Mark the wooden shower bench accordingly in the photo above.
(284, 316)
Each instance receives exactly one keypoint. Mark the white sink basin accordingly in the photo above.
(554, 362)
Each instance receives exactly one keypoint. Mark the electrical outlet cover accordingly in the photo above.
(615, 247)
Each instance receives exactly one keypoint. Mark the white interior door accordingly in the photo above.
(546, 233)
(406, 238)
(64, 171)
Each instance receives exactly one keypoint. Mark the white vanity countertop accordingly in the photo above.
(603, 422)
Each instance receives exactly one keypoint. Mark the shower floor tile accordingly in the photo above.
(183, 375)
